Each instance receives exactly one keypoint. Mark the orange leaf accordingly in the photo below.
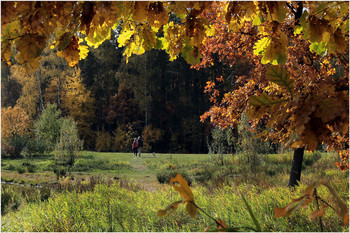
(221, 224)
(181, 185)
(280, 212)
(169, 209)
(286, 211)
(318, 213)
(171, 166)
(307, 201)
(191, 209)
(206, 229)
(346, 220)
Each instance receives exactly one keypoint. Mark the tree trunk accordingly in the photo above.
(40, 93)
(295, 173)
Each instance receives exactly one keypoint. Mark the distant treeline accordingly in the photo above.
(113, 101)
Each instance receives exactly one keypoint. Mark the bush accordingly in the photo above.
(151, 138)
(123, 138)
(249, 146)
(220, 142)
(59, 171)
(21, 170)
(10, 199)
(164, 176)
(14, 145)
(34, 147)
(104, 141)
(69, 144)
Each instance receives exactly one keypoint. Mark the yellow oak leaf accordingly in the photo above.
(181, 185)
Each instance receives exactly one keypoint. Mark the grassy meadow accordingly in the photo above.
(118, 192)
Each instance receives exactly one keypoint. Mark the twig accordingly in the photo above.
(318, 207)
(208, 215)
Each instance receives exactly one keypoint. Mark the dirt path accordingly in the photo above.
(143, 175)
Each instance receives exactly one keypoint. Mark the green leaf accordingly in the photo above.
(318, 48)
(191, 56)
(280, 76)
(256, 222)
(264, 100)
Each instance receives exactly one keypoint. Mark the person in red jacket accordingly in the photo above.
(135, 147)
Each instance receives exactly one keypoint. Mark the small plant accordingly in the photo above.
(10, 199)
(181, 186)
(21, 170)
(310, 194)
(165, 176)
(104, 141)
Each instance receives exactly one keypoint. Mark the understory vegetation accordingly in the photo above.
(108, 192)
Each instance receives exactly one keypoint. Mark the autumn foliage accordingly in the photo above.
(14, 121)
(298, 52)
(297, 90)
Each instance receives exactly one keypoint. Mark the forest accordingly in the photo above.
(113, 102)
(242, 107)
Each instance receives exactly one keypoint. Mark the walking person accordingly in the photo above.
(140, 145)
(135, 147)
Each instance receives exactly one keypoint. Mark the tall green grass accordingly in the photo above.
(116, 208)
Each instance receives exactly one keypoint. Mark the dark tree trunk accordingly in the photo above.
(296, 167)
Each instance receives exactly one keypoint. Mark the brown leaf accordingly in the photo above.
(207, 229)
(341, 208)
(191, 209)
(319, 213)
(346, 220)
(169, 209)
(221, 224)
(181, 185)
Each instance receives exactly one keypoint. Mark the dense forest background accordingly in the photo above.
(113, 101)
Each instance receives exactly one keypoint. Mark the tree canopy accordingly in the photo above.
(298, 84)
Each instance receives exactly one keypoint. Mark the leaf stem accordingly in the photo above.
(326, 203)
(318, 207)
(192, 202)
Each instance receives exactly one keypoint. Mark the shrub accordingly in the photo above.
(14, 145)
(248, 145)
(21, 170)
(151, 137)
(123, 138)
(10, 199)
(164, 176)
(69, 144)
(59, 171)
(34, 147)
(103, 141)
(219, 142)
